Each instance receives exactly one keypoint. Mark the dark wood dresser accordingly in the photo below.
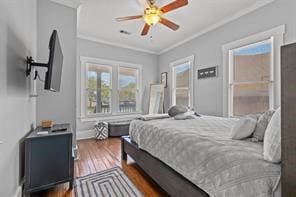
(49, 158)
(288, 103)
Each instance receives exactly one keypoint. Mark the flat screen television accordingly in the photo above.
(53, 75)
(54, 66)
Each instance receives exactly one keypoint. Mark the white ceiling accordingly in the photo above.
(96, 21)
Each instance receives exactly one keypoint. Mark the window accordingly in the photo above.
(128, 89)
(248, 77)
(98, 89)
(251, 78)
(181, 91)
(109, 87)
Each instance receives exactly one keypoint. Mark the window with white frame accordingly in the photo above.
(128, 87)
(181, 88)
(98, 86)
(252, 73)
(109, 87)
(251, 80)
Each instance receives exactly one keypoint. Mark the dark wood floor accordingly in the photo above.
(96, 156)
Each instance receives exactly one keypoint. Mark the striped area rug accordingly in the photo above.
(108, 183)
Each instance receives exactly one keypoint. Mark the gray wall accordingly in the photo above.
(103, 51)
(59, 106)
(17, 109)
(208, 93)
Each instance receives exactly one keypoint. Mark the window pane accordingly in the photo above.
(182, 97)
(250, 98)
(252, 63)
(99, 89)
(128, 89)
(182, 75)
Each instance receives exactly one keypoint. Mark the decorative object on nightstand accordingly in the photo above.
(164, 79)
(101, 130)
(46, 123)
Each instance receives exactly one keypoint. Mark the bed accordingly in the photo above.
(197, 158)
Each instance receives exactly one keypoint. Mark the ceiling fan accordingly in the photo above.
(153, 15)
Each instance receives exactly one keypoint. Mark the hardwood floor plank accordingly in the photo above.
(95, 156)
(87, 158)
(93, 159)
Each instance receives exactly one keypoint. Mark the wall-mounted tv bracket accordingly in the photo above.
(31, 63)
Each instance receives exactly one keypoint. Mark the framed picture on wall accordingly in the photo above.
(164, 79)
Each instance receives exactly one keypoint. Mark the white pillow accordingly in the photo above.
(185, 116)
(272, 138)
(243, 128)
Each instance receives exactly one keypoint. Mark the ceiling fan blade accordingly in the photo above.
(174, 5)
(128, 18)
(145, 30)
(169, 24)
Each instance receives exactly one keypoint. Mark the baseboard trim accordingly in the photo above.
(19, 191)
(86, 134)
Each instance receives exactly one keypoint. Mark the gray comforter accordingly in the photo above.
(202, 151)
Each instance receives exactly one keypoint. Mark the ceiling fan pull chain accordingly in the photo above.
(151, 35)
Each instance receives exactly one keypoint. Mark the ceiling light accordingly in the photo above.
(152, 15)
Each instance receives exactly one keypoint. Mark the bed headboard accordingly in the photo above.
(288, 103)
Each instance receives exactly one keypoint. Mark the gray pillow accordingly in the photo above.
(243, 128)
(261, 126)
(177, 109)
(255, 116)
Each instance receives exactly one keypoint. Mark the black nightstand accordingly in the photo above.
(49, 158)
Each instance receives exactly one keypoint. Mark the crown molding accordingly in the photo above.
(241, 13)
(94, 39)
(279, 30)
(69, 3)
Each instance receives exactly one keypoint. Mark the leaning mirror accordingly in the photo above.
(156, 100)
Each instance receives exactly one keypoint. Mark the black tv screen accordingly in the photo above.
(55, 64)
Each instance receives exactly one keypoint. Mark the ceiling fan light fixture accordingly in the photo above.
(152, 15)
(151, 19)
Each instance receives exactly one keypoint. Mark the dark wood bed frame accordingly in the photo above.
(177, 185)
(168, 179)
